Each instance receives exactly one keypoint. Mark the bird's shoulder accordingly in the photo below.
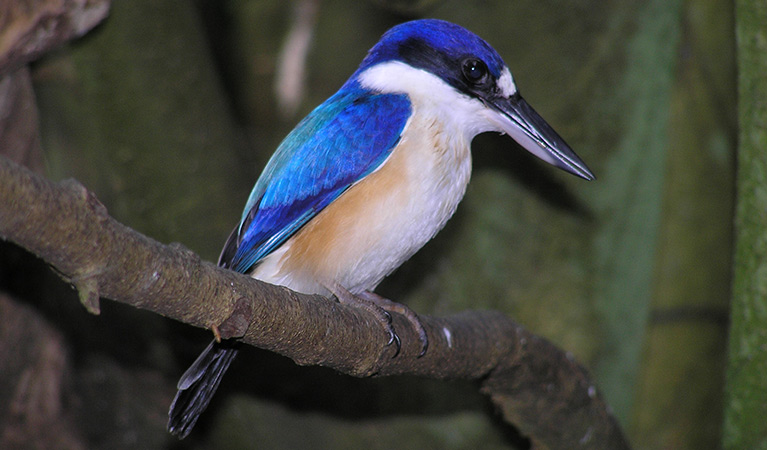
(343, 140)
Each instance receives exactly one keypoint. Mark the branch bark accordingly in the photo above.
(31, 28)
(538, 387)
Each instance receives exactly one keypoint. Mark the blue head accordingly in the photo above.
(467, 71)
(436, 46)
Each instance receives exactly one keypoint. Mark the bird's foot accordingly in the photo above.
(347, 298)
(392, 306)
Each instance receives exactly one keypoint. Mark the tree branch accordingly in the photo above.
(539, 388)
(31, 28)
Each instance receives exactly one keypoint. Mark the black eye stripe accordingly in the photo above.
(467, 73)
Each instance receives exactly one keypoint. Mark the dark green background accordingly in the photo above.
(167, 112)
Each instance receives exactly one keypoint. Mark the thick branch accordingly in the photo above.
(31, 28)
(539, 388)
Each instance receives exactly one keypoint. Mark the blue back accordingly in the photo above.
(339, 143)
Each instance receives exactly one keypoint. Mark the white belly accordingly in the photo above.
(381, 221)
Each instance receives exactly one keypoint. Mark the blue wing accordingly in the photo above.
(336, 145)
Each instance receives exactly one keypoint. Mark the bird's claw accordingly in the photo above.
(423, 338)
(394, 339)
(383, 307)
(386, 306)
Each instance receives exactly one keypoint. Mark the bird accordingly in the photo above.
(370, 176)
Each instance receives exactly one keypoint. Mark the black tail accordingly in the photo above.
(198, 384)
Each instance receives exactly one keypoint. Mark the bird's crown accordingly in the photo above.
(449, 51)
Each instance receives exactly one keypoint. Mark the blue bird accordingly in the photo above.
(370, 176)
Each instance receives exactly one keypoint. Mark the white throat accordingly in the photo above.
(432, 96)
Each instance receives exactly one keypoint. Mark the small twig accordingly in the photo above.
(290, 76)
(27, 31)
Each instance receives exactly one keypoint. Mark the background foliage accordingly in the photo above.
(168, 111)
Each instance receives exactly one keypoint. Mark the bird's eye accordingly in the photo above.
(475, 71)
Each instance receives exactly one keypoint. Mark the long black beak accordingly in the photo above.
(520, 121)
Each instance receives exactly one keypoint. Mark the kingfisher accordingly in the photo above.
(370, 176)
